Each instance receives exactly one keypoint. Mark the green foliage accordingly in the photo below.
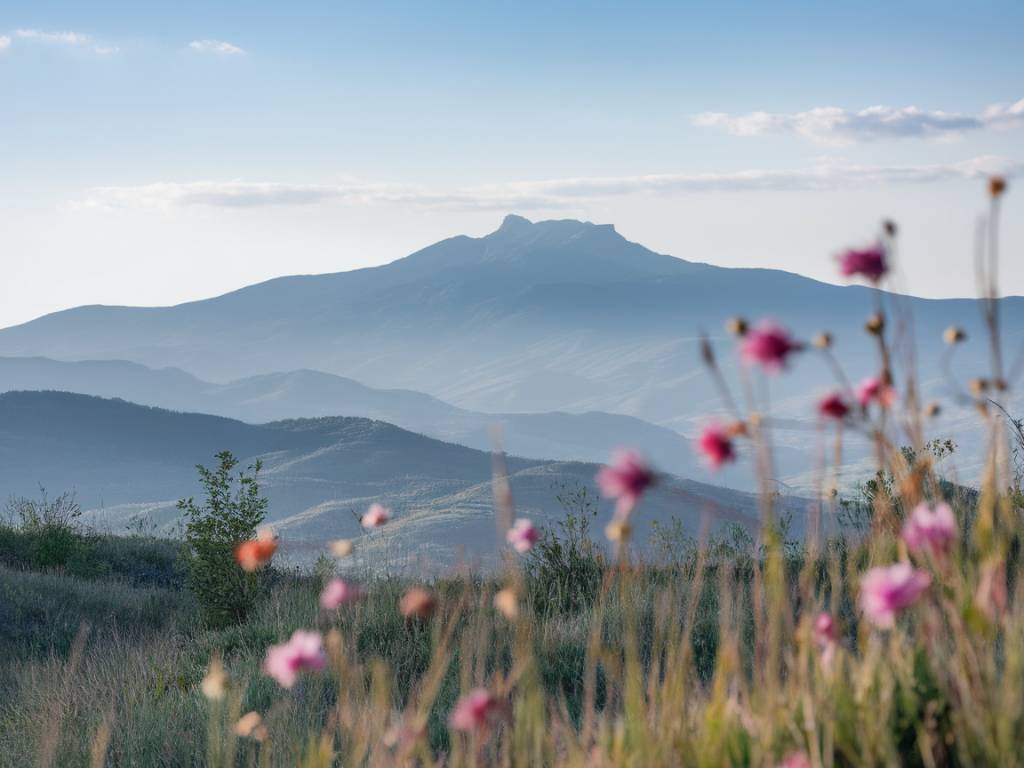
(230, 514)
(564, 568)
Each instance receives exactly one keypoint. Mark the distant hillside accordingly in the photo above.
(276, 396)
(124, 460)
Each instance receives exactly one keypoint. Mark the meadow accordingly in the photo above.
(892, 633)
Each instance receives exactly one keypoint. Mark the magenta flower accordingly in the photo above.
(869, 263)
(474, 711)
(375, 516)
(796, 760)
(625, 480)
(338, 593)
(522, 536)
(768, 345)
(284, 662)
(833, 406)
(872, 389)
(716, 446)
(826, 637)
(885, 591)
(928, 530)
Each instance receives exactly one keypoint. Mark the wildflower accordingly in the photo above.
(833, 406)
(475, 711)
(823, 340)
(341, 548)
(826, 638)
(256, 553)
(953, 335)
(418, 603)
(887, 590)
(872, 389)
(251, 725)
(716, 446)
(625, 480)
(506, 602)
(214, 684)
(337, 593)
(304, 651)
(618, 530)
(996, 186)
(869, 262)
(375, 516)
(768, 345)
(930, 530)
(522, 536)
(796, 760)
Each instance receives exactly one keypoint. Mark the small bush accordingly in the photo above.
(231, 513)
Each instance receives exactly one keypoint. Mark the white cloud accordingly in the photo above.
(72, 39)
(5, 42)
(823, 175)
(58, 38)
(836, 126)
(215, 46)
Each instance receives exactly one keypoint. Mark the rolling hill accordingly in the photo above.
(125, 460)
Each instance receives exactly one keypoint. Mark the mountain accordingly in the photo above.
(588, 436)
(562, 316)
(125, 460)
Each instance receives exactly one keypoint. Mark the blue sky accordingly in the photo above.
(154, 153)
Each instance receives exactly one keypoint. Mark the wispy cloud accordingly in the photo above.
(71, 39)
(836, 126)
(823, 175)
(215, 46)
(5, 42)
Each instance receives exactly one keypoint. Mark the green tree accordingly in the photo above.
(231, 513)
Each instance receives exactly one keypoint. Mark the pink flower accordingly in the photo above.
(833, 406)
(826, 637)
(625, 479)
(886, 591)
(769, 345)
(869, 262)
(796, 760)
(716, 446)
(872, 388)
(928, 530)
(305, 650)
(475, 710)
(337, 593)
(522, 536)
(375, 516)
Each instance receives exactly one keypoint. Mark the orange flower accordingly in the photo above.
(253, 555)
(418, 603)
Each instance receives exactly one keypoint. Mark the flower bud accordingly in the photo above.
(996, 186)
(875, 324)
(823, 340)
(737, 326)
(953, 335)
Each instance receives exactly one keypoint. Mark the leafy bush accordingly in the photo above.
(231, 513)
(564, 569)
(44, 533)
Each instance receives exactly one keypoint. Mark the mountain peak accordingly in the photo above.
(514, 223)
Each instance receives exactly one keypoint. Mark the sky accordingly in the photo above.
(157, 153)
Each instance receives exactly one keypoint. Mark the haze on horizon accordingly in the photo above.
(158, 155)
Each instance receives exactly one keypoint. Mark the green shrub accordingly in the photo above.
(231, 513)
